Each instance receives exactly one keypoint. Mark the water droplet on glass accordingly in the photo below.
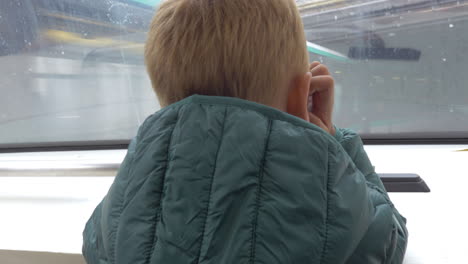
(444, 59)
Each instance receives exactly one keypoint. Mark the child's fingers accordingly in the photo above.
(321, 83)
(322, 91)
(313, 65)
(320, 70)
(321, 97)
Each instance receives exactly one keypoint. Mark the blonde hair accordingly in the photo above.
(239, 48)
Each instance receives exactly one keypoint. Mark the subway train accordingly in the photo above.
(74, 90)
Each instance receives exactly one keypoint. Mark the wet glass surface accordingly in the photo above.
(74, 71)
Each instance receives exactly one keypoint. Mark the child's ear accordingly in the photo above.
(298, 96)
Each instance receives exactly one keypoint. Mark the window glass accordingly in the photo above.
(73, 71)
(401, 67)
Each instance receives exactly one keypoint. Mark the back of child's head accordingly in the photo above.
(249, 49)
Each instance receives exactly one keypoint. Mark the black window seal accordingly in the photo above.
(123, 144)
(65, 146)
(415, 141)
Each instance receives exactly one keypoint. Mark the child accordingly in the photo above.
(243, 163)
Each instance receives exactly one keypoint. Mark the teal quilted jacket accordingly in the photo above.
(227, 181)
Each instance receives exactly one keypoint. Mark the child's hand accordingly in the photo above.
(321, 97)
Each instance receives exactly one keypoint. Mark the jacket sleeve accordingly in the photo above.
(386, 238)
(99, 232)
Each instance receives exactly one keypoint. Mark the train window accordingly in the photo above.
(73, 71)
(402, 73)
